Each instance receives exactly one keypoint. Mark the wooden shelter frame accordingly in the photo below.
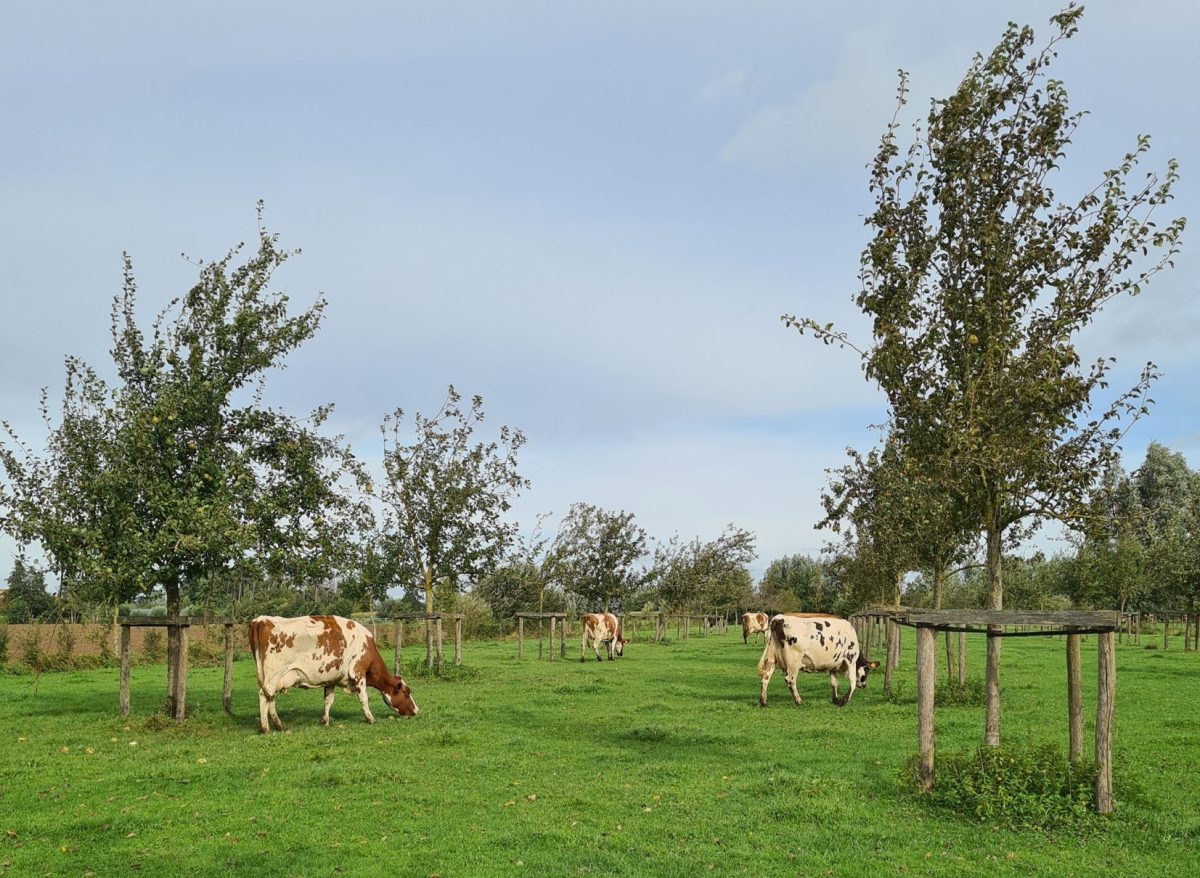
(176, 680)
(1071, 623)
(556, 619)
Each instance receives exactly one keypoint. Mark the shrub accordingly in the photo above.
(1013, 786)
(31, 650)
(896, 695)
(64, 649)
(3, 644)
(969, 693)
(152, 646)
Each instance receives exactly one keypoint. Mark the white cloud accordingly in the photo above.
(728, 86)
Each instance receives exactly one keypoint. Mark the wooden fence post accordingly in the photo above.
(962, 658)
(1106, 685)
(991, 684)
(399, 638)
(181, 678)
(457, 640)
(124, 699)
(926, 677)
(428, 643)
(887, 660)
(439, 643)
(520, 637)
(227, 687)
(1074, 700)
(553, 625)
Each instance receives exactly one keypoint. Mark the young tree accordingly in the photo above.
(978, 280)
(705, 574)
(595, 556)
(177, 472)
(445, 498)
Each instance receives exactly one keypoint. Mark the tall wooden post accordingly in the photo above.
(227, 686)
(428, 642)
(962, 658)
(1166, 624)
(887, 660)
(398, 637)
(1074, 700)
(553, 625)
(1106, 685)
(991, 721)
(124, 699)
(439, 643)
(181, 677)
(520, 637)
(457, 640)
(926, 680)
(541, 634)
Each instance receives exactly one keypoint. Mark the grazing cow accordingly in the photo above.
(754, 623)
(601, 628)
(813, 642)
(711, 622)
(320, 652)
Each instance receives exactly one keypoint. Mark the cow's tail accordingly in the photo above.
(774, 639)
(257, 634)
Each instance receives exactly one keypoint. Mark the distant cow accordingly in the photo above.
(812, 642)
(753, 623)
(601, 628)
(312, 652)
(711, 622)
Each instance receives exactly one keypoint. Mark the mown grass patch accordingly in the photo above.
(656, 764)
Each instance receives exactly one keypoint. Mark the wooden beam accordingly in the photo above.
(1074, 618)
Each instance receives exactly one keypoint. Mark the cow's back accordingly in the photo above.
(317, 650)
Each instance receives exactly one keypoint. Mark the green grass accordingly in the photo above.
(656, 764)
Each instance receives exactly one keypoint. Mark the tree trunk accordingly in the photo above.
(939, 578)
(991, 726)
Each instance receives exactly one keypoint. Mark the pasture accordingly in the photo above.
(656, 764)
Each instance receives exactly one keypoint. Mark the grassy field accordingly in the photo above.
(657, 764)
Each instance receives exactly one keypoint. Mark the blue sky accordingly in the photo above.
(591, 214)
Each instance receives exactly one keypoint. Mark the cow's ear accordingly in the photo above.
(872, 665)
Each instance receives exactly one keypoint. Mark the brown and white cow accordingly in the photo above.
(753, 623)
(601, 628)
(813, 642)
(311, 652)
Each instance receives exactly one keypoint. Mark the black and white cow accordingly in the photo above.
(813, 643)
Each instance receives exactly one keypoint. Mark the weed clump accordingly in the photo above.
(969, 693)
(1013, 786)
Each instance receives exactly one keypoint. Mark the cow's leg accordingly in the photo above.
(596, 649)
(582, 645)
(361, 691)
(274, 714)
(791, 681)
(608, 646)
(852, 679)
(766, 668)
(328, 704)
(833, 685)
(263, 713)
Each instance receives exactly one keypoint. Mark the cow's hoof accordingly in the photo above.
(762, 703)
(582, 660)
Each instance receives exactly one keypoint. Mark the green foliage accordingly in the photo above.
(978, 281)
(152, 646)
(595, 556)
(27, 599)
(1014, 786)
(951, 693)
(797, 582)
(701, 576)
(30, 646)
(3, 644)
(444, 499)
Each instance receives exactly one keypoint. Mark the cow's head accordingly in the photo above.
(399, 699)
(863, 668)
(619, 645)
